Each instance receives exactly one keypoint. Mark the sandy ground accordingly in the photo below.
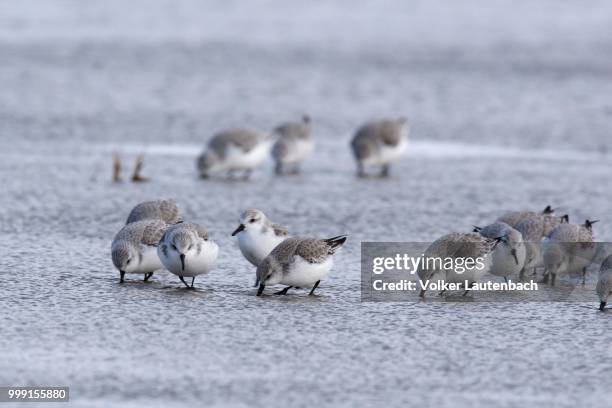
(509, 109)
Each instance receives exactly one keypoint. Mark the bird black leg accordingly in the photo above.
(121, 275)
(313, 288)
(360, 170)
(384, 172)
(183, 280)
(284, 291)
(505, 279)
(147, 276)
(192, 280)
(583, 276)
(278, 169)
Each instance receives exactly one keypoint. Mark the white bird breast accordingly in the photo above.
(195, 264)
(503, 263)
(388, 154)
(300, 151)
(305, 274)
(256, 246)
(150, 261)
(238, 159)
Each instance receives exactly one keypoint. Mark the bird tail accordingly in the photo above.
(335, 242)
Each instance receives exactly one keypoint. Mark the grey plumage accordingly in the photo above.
(294, 130)
(532, 228)
(568, 248)
(187, 227)
(572, 233)
(512, 218)
(146, 232)
(495, 230)
(461, 245)
(254, 147)
(165, 210)
(370, 137)
(457, 245)
(245, 139)
(311, 250)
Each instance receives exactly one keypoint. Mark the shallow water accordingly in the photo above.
(517, 118)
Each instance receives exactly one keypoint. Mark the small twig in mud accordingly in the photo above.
(136, 177)
(116, 168)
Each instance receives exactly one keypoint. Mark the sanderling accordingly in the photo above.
(134, 248)
(299, 262)
(458, 246)
(294, 145)
(165, 210)
(604, 283)
(258, 236)
(234, 150)
(512, 218)
(568, 248)
(509, 255)
(533, 229)
(378, 143)
(186, 250)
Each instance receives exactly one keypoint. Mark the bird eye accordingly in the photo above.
(174, 247)
(128, 261)
(190, 246)
(252, 220)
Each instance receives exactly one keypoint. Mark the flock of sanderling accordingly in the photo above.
(516, 243)
(156, 237)
(377, 143)
(519, 242)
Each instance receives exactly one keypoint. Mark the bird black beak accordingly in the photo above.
(240, 228)
(602, 306)
(261, 289)
(182, 262)
(513, 252)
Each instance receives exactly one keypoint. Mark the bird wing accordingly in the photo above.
(153, 232)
